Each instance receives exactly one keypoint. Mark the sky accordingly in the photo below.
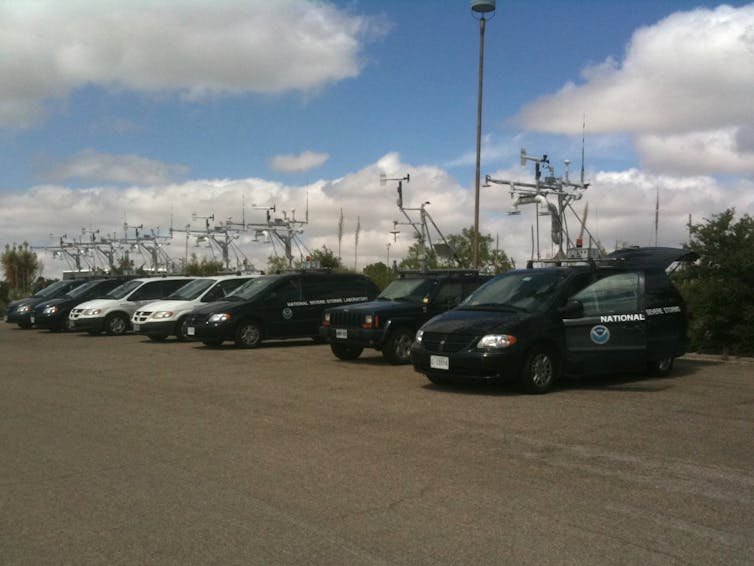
(160, 113)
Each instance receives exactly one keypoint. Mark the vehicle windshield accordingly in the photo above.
(82, 289)
(410, 290)
(525, 291)
(191, 291)
(251, 288)
(53, 289)
(122, 290)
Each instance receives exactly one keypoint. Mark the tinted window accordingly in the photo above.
(449, 294)
(254, 287)
(192, 290)
(530, 291)
(613, 294)
(412, 290)
(337, 287)
(122, 290)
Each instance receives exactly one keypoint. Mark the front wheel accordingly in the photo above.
(397, 349)
(116, 324)
(539, 373)
(248, 335)
(180, 329)
(345, 351)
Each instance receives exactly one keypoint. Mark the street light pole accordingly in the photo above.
(481, 7)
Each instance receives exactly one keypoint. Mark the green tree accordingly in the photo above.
(276, 263)
(21, 266)
(326, 258)
(490, 260)
(204, 267)
(380, 273)
(718, 287)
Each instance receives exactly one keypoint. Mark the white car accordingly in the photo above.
(113, 313)
(160, 319)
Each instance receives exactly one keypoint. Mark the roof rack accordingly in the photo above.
(465, 272)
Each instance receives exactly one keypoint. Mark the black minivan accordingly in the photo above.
(287, 305)
(618, 313)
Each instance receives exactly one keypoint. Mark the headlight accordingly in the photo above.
(419, 334)
(50, 310)
(162, 314)
(24, 309)
(326, 318)
(371, 321)
(91, 312)
(220, 317)
(496, 341)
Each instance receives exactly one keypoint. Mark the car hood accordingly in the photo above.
(217, 306)
(22, 302)
(53, 302)
(473, 321)
(171, 305)
(98, 304)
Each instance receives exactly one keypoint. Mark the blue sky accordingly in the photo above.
(153, 110)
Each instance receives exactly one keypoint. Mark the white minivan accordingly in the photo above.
(167, 317)
(112, 314)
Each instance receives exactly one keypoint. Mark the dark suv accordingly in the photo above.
(390, 322)
(21, 311)
(287, 305)
(619, 313)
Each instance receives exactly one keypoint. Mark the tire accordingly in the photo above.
(157, 337)
(116, 324)
(397, 349)
(248, 335)
(212, 343)
(661, 367)
(180, 329)
(540, 370)
(346, 351)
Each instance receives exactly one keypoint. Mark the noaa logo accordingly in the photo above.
(599, 334)
(287, 313)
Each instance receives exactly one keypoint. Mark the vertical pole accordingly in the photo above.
(477, 173)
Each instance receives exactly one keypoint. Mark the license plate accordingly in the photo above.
(31, 319)
(190, 331)
(136, 327)
(439, 362)
(341, 333)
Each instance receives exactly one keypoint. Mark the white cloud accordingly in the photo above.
(683, 81)
(621, 209)
(93, 166)
(304, 161)
(194, 48)
(691, 71)
(697, 152)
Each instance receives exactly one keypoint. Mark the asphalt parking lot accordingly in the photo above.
(117, 450)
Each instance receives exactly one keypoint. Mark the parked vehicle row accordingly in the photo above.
(533, 325)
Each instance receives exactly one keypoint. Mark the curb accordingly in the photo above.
(718, 358)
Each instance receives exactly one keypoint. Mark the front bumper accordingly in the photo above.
(354, 336)
(471, 365)
(161, 328)
(56, 320)
(198, 328)
(87, 324)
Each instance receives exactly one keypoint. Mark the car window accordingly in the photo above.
(192, 290)
(411, 289)
(123, 290)
(288, 291)
(150, 290)
(530, 291)
(449, 294)
(617, 293)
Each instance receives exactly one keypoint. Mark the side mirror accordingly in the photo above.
(572, 309)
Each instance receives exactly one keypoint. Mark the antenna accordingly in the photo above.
(583, 128)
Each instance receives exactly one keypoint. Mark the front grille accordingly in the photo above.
(196, 319)
(141, 316)
(446, 343)
(346, 318)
